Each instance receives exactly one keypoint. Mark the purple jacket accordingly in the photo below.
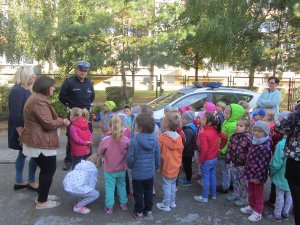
(257, 162)
(238, 147)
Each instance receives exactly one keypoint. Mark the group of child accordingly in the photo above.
(222, 132)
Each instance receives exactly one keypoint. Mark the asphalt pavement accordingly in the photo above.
(18, 207)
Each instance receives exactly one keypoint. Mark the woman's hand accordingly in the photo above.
(66, 122)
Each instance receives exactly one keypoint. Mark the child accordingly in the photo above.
(258, 114)
(209, 107)
(129, 119)
(167, 111)
(80, 135)
(143, 160)
(209, 139)
(81, 182)
(246, 107)
(113, 149)
(220, 110)
(104, 117)
(190, 132)
(256, 170)
(232, 114)
(171, 148)
(236, 156)
(283, 194)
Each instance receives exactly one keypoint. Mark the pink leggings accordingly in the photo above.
(256, 197)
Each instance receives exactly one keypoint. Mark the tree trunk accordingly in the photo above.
(251, 76)
(125, 94)
(150, 86)
(196, 66)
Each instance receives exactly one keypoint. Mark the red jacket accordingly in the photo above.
(80, 135)
(209, 140)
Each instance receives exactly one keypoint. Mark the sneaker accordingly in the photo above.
(148, 215)
(163, 207)
(67, 166)
(186, 183)
(231, 197)
(173, 205)
(200, 181)
(214, 197)
(274, 218)
(200, 199)
(82, 210)
(109, 211)
(247, 210)
(137, 215)
(240, 203)
(254, 217)
(123, 207)
(221, 190)
(285, 216)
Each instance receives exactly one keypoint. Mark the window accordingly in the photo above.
(228, 98)
(161, 102)
(195, 100)
(244, 97)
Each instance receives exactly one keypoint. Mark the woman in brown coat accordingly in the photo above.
(40, 137)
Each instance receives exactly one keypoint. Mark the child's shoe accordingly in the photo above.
(254, 217)
(82, 210)
(148, 215)
(221, 190)
(285, 216)
(231, 197)
(123, 207)
(247, 210)
(173, 205)
(240, 203)
(163, 207)
(186, 183)
(200, 199)
(137, 215)
(214, 197)
(109, 211)
(275, 218)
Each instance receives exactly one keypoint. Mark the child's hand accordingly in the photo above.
(157, 171)
(89, 143)
(255, 181)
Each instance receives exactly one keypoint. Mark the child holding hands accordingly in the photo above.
(80, 135)
(113, 149)
(171, 148)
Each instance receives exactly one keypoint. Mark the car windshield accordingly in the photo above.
(162, 101)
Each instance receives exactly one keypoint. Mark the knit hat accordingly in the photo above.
(259, 112)
(183, 109)
(210, 107)
(262, 125)
(168, 108)
(110, 105)
(188, 116)
(201, 114)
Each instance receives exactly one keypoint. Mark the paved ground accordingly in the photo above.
(17, 207)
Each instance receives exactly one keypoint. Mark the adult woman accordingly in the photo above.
(271, 98)
(290, 125)
(24, 78)
(40, 138)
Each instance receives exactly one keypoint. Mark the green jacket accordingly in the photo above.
(277, 167)
(229, 126)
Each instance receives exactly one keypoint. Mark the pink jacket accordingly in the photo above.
(79, 136)
(114, 153)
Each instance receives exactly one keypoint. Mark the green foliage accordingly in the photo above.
(116, 94)
(60, 108)
(4, 92)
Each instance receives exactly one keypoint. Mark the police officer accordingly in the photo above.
(77, 91)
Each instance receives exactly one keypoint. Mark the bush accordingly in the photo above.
(116, 94)
(4, 92)
(60, 108)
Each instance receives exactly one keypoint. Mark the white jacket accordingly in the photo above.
(82, 179)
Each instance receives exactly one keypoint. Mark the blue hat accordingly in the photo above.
(82, 65)
(262, 125)
(259, 112)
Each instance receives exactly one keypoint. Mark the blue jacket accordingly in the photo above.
(16, 101)
(77, 94)
(143, 156)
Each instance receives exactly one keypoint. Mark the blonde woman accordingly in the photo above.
(113, 149)
(24, 78)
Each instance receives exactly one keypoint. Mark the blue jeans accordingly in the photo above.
(225, 175)
(20, 161)
(111, 180)
(208, 170)
(143, 195)
(169, 188)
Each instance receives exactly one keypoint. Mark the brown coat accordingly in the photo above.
(40, 123)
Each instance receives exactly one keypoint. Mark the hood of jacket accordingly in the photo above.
(86, 166)
(237, 111)
(147, 140)
(172, 141)
(81, 123)
(192, 126)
